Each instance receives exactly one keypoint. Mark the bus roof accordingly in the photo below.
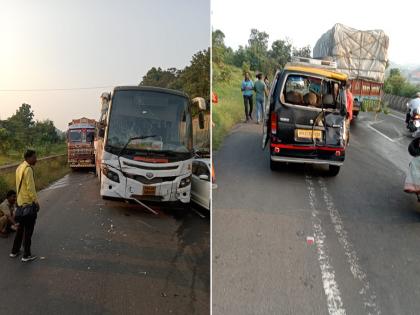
(150, 89)
(318, 71)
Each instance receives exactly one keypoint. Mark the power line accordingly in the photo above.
(58, 89)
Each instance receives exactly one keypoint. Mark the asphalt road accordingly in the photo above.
(107, 257)
(365, 258)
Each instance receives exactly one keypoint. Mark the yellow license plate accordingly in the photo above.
(309, 134)
(149, 190)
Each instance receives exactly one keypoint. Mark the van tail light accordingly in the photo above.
(213, 175)
(273, 123)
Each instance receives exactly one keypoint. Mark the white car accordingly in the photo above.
(201, 182)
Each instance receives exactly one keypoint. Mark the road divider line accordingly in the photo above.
(395, 116)
(367, 292)
(332, 292)
(382, 134)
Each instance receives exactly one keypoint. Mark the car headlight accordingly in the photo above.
(185, 182)
(110, 174)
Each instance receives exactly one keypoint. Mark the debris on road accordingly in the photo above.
(310, 240)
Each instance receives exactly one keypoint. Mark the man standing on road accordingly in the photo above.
(260, 93)
(7, 213)
(349, 96)
(28, 206)
(247, 89)
(411, 106)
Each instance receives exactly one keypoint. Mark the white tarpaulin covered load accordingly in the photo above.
(359, 54)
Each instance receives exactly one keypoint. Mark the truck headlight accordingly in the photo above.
(110, 174)
(185, 182)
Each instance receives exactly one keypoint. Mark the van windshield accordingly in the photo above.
(312, 92)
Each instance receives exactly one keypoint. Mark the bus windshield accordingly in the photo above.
(163, 119)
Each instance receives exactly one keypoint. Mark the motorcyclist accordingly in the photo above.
(412, 105)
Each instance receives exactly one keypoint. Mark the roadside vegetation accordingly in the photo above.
(46, 172)
(21, 131)
(396, 84)
(229, 67)
(194, 79)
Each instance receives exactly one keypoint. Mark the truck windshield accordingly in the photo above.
(312, 92)
(137, 113)
(75, 136)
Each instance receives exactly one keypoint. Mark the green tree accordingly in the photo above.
(195, 79)
(280, 52)
(302, 52)
(160, 78)
(20, 127)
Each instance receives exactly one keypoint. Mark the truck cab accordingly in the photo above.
(80, 143)
(306, 115)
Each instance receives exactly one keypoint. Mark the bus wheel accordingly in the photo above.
(333, 170)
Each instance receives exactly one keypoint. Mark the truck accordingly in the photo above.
(362, 56)
(144, 147)
(80, 143)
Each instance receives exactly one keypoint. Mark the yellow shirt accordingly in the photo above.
(27, 193)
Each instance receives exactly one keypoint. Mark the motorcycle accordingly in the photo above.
(412, 180)
(413, 120)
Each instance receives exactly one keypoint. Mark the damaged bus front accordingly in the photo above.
(145, 148)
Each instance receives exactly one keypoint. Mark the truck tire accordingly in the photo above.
(333, 170)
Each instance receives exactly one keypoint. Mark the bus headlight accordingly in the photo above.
(185, 182)
(110, 174)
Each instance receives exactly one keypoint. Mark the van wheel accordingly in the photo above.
(333, 170)
(274, 166)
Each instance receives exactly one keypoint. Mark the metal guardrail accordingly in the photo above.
(12, 167)
(396, 102)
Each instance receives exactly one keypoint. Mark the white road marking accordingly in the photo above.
(334, 302)
(367, 292)
(382, 134)
(395, 116)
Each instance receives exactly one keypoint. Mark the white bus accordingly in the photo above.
(144, 146)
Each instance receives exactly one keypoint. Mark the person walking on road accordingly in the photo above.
(27, 207)
(260, 94)
(7, 214)
(247, 89)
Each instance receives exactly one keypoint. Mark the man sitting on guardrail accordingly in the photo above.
(7, 214)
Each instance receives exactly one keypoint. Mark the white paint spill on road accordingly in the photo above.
(334, 302)
(367, 292)
(63, 182)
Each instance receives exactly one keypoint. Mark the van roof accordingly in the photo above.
(149, 88)
(317, 71)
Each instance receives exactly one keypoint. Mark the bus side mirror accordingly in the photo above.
(201, 120)
(200, 103)
(101, 132)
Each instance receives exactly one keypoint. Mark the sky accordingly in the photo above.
(90, 43)
(305, 21)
